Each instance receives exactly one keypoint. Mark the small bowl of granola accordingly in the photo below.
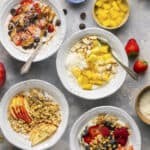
(35, 114)
(105, 128)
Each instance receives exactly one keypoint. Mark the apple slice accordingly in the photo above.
(19, 109)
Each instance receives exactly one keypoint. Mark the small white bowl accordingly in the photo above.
(46, 50)
(100, 92)
(19, 140)
(135, 136)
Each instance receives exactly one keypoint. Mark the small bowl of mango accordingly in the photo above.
(111, 14)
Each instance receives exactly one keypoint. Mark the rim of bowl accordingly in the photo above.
(137, 103)
(111, 28)
(59, 74)
(63, 20)
(76, 1)
(124, 113)
(51, 86)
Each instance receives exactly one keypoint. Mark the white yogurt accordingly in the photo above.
(75, 60)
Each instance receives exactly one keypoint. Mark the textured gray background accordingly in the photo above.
(138, 26)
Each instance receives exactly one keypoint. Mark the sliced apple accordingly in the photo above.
(19, 109)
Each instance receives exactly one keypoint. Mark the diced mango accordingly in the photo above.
(76, 71)
(87, 86)
(92, 58)
(104, 49)
(124, 7)
(106, 6)
(109, 11)
(96, 43)
(99, 3)
(107, 56)
(96, 50)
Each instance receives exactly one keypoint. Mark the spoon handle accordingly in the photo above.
(127, 69)
(26, 67)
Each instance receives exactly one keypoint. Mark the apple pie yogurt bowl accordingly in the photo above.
(29, 24)
(105, 128)
(86, 66)
(35, 114)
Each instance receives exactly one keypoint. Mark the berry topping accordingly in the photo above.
(105, 131)
(121, 135)
(94, 130)
(87, 139)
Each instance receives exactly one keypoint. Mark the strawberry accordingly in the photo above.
(87, 139)
(140, 66)
(26, 1)
(2, 75)
(132, 48)
(51, 28)
(94, 130)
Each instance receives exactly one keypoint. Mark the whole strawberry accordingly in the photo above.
(132, 48)
(2, 75)
(140, 66)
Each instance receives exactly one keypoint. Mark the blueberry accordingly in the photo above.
(58, 22)
(9, 32)
(10, 26)
(37, 40)
(105, 145)
(13, 12)
(82, 26)
(87, 147)
(109, 125)
(112, 142)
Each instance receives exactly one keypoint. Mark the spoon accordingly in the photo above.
(127, 69)
(26, 67)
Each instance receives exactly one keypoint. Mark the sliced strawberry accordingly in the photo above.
(94, 130)
(87, 139)
(2, 75)
(51, 28)
(140, 66)
(18, 11)
(26, 1)
(132, 48)
(36, 5)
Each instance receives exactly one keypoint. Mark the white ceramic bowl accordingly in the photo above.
(19, 140)
(103, 91)
(47, 50)
(135, 137)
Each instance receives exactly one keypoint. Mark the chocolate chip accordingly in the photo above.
(82, 26)
(58, 22)
(83, 15)
(65, 11)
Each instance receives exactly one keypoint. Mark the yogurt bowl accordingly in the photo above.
(70, 84)
(83, 122)
(13, 45)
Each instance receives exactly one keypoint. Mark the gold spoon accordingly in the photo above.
(127, 69)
